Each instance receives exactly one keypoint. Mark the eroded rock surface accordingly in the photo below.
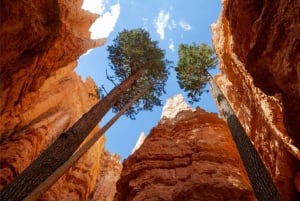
(41, 95)
(189, 157)
(110, 169)
(258, 46)
(32, 50)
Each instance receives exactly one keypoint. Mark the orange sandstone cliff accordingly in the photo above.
(189, 155)
(110, 169)
(40, 94)
(258, 44)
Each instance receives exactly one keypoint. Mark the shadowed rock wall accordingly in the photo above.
(257, 43)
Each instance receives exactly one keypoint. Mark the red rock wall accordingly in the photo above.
(189, 157)
(41, 95)
(110, 169)
(37, 38)
(257, 43)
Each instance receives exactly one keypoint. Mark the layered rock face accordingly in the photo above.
(259, 50)
(190, 156)
(110, 170)
(34, 45)
(41, 96)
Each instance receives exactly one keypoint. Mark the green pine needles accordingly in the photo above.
(192, 68)
(132, 51)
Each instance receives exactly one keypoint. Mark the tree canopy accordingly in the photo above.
(192, 68)
(139, 67)
(131, 51)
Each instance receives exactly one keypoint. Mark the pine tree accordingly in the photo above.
(48, 182)
(138, 63)
(194, 63)
(192, 74)
(133, 50)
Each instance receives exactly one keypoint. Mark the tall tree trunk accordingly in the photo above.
(260, 179)
(44, 186)
(66, 144)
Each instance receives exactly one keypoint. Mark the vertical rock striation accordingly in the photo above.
(61, 100)
(110, 169)
(257, 43)
(32, 50)
(190, 156)
(40, 94)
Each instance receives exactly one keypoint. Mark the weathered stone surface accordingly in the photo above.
(37, 38)
(258, 46)
(189, 157)
(173, 106)
(40, 94)
(58, 104)
(110, 169)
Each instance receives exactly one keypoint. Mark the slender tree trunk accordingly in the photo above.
(66, 144)
(44, 186)
(260, 179)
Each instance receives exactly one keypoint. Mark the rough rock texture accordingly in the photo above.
(58, 104)
(258, 43)
(40, 94)
(189, 157)
(34, 44)
(110, 169)
(173, 106)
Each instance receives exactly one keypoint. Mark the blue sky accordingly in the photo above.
(170, 22)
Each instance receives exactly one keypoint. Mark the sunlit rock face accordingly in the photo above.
(41, 95)
(51, 35)
(173, 106)
(110, 169)
(190, 156)
(60, 102)
(257, 43)
(139, 142)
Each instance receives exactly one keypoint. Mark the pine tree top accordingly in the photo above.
(192, 68)
(131, 51)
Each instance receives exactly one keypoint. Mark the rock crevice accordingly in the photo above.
(255, 41)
